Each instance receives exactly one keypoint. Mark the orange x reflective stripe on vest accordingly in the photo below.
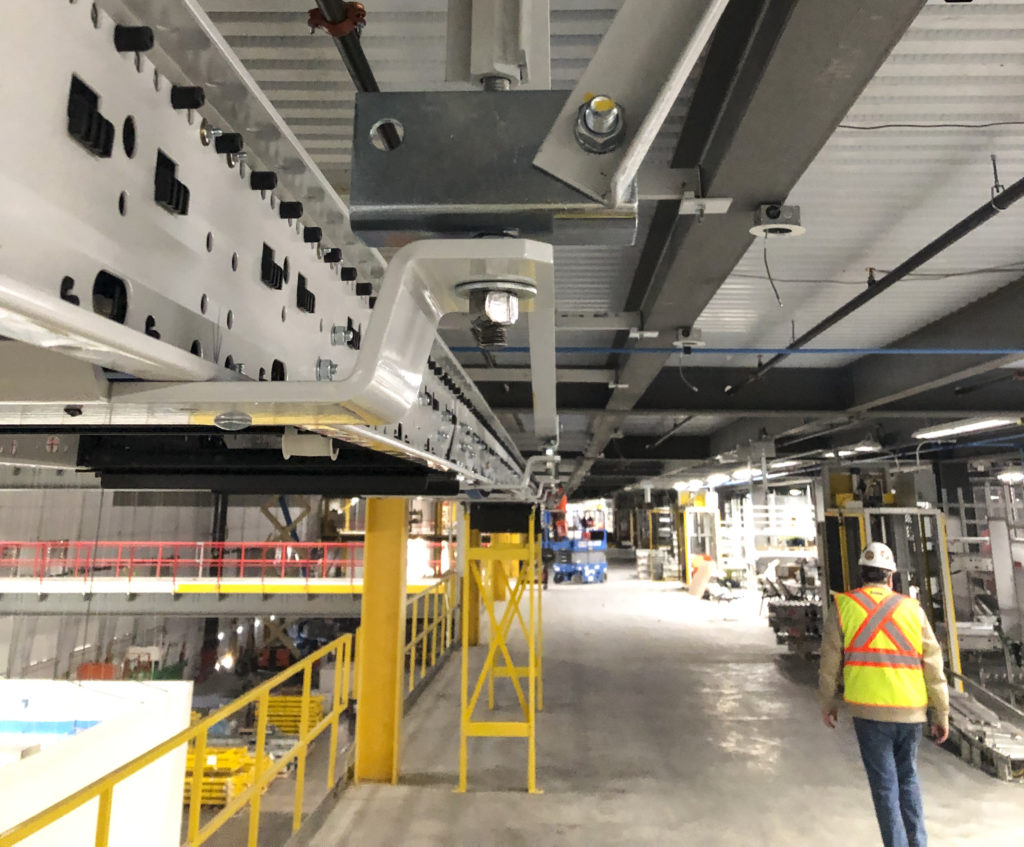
(882, 641)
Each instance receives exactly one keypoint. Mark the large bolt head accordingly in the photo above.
(600, 124)
(601, 115)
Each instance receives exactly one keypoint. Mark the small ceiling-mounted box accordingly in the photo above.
(774, 220)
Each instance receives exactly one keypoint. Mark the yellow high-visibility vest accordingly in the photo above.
(882, 648)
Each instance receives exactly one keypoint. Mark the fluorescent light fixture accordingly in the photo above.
(830, 454)
(964, 427)
(689, 485)
(796, 492)
(717, 479)
(844, 453)
(868, 447)
(1011, 476)
(785, 463)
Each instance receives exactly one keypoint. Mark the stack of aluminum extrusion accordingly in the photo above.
(796, 623)
(986, 741)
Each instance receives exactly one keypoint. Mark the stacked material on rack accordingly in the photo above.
(657, 565)
(986, 741)
(227, 772)
(284, 712)
(796, 623)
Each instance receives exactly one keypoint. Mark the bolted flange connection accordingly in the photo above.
(600, 124)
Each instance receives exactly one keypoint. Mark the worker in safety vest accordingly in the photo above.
(880, 645)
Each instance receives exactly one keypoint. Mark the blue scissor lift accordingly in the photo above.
(577, 560)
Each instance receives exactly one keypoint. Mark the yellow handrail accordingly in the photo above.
(103, 787)
(428, 644)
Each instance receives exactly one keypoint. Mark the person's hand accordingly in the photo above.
(940, 733)
(830, 715)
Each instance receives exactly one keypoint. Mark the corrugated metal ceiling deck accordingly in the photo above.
(874, 197)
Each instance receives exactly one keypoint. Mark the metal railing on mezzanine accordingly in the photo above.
(432, 614)
(200, 565)
(196, 735)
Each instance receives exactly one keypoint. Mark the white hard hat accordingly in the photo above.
(878, 555)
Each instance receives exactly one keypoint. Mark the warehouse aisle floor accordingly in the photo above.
(669, 721)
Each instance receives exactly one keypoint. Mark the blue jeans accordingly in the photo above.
(889, 753)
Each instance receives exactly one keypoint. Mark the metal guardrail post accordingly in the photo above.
(340, 680)
(262, 710)
(103, 818)
(195, 802)
(304, 740)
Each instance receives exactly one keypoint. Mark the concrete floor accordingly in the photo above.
(669, 721)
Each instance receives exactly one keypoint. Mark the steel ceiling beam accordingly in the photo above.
(784, 73)
(595, 375)
(570, 321)
(988, 322)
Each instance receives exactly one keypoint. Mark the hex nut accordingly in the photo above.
(595, 142)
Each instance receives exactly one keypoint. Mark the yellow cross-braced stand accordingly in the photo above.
(523, 587)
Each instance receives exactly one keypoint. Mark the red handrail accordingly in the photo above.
(177, 560)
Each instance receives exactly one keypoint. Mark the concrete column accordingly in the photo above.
(19, 651)
(71, 627)
(382, 641)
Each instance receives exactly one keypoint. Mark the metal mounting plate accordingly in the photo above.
(464, 168)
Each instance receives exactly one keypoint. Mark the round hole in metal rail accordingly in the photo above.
(234, 261)
(128, 137)
(387, 134)
(230, 319)
(122, 203)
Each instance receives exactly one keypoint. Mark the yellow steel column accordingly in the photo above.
(531, 638)
(382, 641)
(471, 599)
(499, 569)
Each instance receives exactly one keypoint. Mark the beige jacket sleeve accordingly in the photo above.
(934, 674)
(830, 671)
